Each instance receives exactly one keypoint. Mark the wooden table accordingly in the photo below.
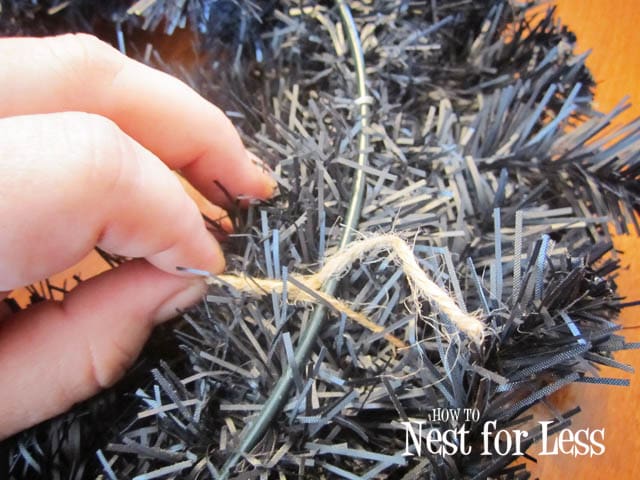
(611, 28)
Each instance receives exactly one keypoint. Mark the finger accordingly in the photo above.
(65, 352)
(163, 114)
(213, 212)
(73, 180)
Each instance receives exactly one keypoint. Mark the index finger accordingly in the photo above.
(80, 73)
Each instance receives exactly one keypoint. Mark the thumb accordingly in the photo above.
(55, 354)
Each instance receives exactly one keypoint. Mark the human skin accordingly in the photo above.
(88, 139)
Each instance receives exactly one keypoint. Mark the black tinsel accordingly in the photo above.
(485, 152)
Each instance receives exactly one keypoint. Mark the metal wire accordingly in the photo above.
(278, 397)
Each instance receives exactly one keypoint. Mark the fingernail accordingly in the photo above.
(217, 262)
(271, 186)
(225, 224)
(210, 257)
(182, 300)
(258, 162)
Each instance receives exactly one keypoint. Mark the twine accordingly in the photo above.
(307, 288)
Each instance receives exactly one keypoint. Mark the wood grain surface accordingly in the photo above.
(611, 28)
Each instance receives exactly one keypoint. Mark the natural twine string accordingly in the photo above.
(307, 288)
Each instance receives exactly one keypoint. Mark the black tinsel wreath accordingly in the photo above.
(484, 151)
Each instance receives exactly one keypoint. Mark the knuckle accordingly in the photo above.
(223, 121)
(105, 152)
(108, 362)
(106, 357)
(109, 369)
(85, 60)
(88, 51)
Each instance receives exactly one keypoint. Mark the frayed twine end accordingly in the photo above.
(308, 288)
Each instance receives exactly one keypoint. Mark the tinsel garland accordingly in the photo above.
(485, 153)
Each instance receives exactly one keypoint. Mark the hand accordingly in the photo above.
(88, 139)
